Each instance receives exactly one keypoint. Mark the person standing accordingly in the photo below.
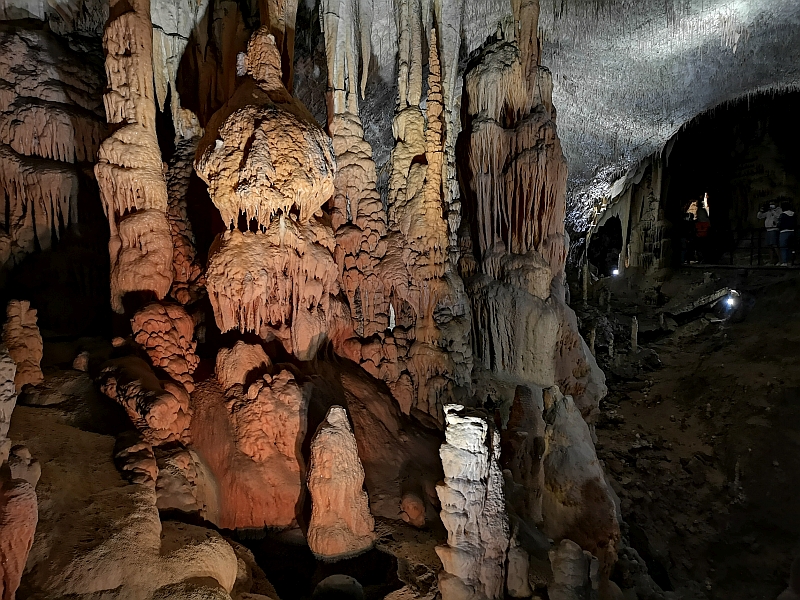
(702, 228)
(770, 214)
(787, 223)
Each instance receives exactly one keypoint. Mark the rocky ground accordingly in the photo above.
(700, 430)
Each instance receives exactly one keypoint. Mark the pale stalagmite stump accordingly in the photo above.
(473, 509)
(341, 524)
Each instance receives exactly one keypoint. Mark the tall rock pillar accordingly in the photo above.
(129, 170)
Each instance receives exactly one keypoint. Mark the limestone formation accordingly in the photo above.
(575, 573)
(577, 502)
(250, 439)
(8, 400)
(18, 507)
(187, 268)
(18, 517)
(235, 364)
(473, 509)
(294, 291)
(515, 249)
(266, 159)
(129, 169)
(24, 343)
(50, 121)
(341, 524)
(116, 546)
(523, 444)
(159, 409)
(166, 332)
(395, 272)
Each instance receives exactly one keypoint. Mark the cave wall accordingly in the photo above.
(741, 155)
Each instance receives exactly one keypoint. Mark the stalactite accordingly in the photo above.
(129, 170)
(48, 123)
(263, 156)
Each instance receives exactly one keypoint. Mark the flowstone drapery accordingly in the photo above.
(269, 161)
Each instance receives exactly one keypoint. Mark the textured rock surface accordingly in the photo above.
(18, 517)
(18, 508)
(8, 400)
(235, 364)
(250, 439)
(24, 342)
(341, 524)
(159, 409)
(577, 502)
(267, 160)
(575, 573)
(515, 247)
(166, 332)
(523, 444)
(98, 535)
(473, 510)
(129, 169)
(278, 284)
(50, 122)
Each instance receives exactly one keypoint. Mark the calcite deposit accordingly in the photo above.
(473, 510)
(18, 517)
(515, 244)
(577, 502)
(166, 332)
(250, 439)
(129, 169)
(50, 121)
(341, 524)
(159, 409)
(234, 365)
(24, 342)
(391, 351)
(269, 162)
(19, 473)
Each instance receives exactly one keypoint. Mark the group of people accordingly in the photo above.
(780, 222)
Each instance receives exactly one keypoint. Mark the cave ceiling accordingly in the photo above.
(628, 74)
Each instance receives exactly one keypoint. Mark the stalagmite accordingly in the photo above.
(577, 502)
(234, 365)
(473, 510)
(158, 409)
(129, 169)
(166, 332)
(250, 438)
(634, 334)
(22, 338)
(341, 524)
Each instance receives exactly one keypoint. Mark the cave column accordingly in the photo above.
(129, 170)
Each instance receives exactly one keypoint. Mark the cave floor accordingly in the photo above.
(703, 448)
